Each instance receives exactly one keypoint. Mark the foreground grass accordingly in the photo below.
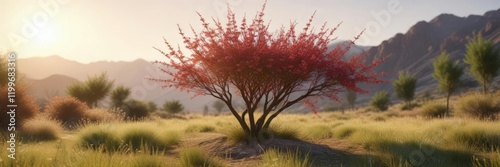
(390, 138)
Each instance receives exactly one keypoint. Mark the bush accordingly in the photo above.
(142, 138)
(476, 138)
(173, 107)
(290, 159)
(194, 157)
(479, 106)
(99, 138)
(68, 110)
(135, 110)
(40, 129)
(27, 107)
(433, 110)
(380, 101)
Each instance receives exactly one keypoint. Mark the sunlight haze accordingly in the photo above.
(89, 31)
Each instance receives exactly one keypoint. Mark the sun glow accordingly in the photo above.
(46, 36)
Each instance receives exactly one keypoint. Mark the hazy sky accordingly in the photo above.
(115, 30)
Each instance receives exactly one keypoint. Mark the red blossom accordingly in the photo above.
(278, 69)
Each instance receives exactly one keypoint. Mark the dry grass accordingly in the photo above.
(41, 129)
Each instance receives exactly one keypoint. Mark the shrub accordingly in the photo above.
(27, 107)
(147, 139)
(479, 106)
(99, 138)
(173, 107)
(194, 157)
(135, 110)
(433, 110)
(40, 129)
(274, 157)
(380, 101)
(68, 110)
(236, 134)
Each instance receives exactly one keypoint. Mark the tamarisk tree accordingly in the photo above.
(245, 62)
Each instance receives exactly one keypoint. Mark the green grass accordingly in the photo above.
(199, 128)
(433, 110)
(40, 129)
(288, 158)
(195, 157)
(97, 138)
(317, 132)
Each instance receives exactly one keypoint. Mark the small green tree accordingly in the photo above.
(173, 106)
(448, 76)
(135, 109)
(351, 98)
(152, 106)
(380, 101)
(93, 90)
(483, 60)
(119, 95)
(404, 87)
(218, 106)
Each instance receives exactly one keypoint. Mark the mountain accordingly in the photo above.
(415, 50)
(49, 76)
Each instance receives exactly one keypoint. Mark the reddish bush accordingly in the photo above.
(26, 109)
(69, 110)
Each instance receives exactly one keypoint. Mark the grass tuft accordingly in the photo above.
(479, 106)
(194, 157)
(41, 129)
(274, 157)
(199, 128)
(433, 110)
(97, 138)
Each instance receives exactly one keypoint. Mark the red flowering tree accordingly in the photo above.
(269, 71)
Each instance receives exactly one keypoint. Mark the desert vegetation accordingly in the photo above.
(257, 76)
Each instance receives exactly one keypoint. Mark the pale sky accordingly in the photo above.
(125, 30)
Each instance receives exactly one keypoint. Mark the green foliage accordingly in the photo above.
(135, 109)
(119, 95)
(152, 106)
(194, 157)
(99, 138)
(380, 101)
(287, 158)
(447, 74)
(476, 137)
(173, 106)
(479, 105)
(404, 86)
(433, 110)
(40, 129)
(351, 98)
(93, 90)
(218, 106)
(68, 110)
(140, 138)
(483, 60)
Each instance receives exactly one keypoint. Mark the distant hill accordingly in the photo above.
(51, 75)
(416, 49)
